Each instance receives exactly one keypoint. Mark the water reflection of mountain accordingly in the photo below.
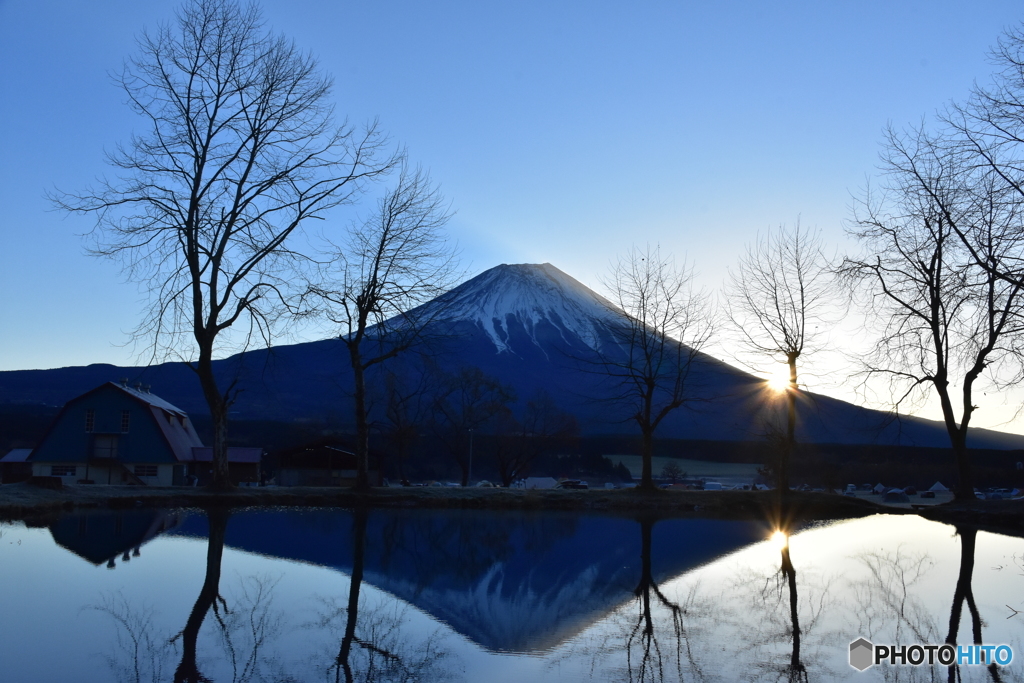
(101, 536)
(510, 582)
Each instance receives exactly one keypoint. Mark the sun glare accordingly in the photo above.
(779, 539)
(779, 380)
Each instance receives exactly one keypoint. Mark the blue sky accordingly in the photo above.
(562, 132)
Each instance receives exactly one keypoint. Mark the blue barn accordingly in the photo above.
(117, 434)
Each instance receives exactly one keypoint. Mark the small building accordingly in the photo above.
(321, 464)
(117, 434)
(14, 466)
(243, 464)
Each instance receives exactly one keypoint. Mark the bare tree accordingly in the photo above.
(239, 150)
(673, 472)
(779, 299)
(543, 426)
(468, 401)
(944, 317)
(666, 324)
(406, 396)
(379, 281)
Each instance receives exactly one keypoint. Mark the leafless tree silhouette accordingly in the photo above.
(521, 441)
(467, 402)
(667, 323)
(239, 151)
(377, 283)
(944, 320)
(780, 298)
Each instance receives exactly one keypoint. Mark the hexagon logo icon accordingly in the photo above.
(860, 654)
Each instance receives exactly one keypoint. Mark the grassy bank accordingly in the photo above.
(20, 500)
(23, 501)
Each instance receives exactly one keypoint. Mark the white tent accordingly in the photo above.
(938, 487)
(879, 488)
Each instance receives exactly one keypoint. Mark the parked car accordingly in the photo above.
(572, 484)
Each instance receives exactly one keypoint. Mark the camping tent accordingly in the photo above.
(938, 487)
(895, 496)
(879, 488)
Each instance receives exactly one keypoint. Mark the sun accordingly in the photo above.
(779, 539)
(779, 380)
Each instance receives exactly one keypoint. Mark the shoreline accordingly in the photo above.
(19, 502)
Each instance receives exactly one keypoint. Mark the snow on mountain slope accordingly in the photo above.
(529, 295)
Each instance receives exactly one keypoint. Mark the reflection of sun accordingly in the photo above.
(779, 380)
(779, 539)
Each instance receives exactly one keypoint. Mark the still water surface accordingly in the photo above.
(329, 595)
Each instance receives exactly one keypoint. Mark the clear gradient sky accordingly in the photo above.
(562, 132)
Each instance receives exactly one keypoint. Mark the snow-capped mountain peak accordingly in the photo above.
(530, 296)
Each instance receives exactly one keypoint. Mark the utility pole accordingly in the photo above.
(470, 477)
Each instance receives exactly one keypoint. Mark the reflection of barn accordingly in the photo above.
(321, 464)
(100, 537)
(117, 434)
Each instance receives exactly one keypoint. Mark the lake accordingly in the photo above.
(430, 595)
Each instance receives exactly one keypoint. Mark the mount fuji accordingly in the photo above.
(532, 327)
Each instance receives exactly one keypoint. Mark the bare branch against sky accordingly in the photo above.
(237, 149)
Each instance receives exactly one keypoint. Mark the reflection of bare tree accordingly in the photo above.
(642, 639)
(888, 611)
(188, 669)
(885, 605)
(372, 648)
(657, 641)
(964, 592)
(886, 599)
(144, 655)
(779, 617)
(141, 654)
(248, 627)
(796, 670)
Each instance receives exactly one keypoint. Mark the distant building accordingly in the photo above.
(14, 466)
(321, 464)
(117, 434)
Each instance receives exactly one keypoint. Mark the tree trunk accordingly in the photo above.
(965, 485)
(957, 437)
(221, 477)
(647, 454)
(362, 425)
(790, 444)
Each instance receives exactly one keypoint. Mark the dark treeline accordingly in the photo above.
(834, 465)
